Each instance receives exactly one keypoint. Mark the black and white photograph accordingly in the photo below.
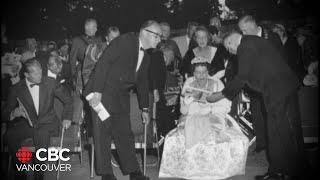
(159, 90)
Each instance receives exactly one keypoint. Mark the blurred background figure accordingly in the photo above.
(166, 42)
(291, 50)
(31, 48)
(112, 32)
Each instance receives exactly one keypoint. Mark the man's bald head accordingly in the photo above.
(232, 41)
(150, 34)
(248, 26)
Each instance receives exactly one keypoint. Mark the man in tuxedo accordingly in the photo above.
(55, 70)
(78, 48)
(248, 26)
(123, 65)
(36, 93)
(262, 68)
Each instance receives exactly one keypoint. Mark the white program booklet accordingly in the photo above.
(100, 109)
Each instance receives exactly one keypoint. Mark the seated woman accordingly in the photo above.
(207, 144)
(203, 50)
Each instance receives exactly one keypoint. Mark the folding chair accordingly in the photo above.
(145, 136)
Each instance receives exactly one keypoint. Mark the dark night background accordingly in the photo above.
(57, 19)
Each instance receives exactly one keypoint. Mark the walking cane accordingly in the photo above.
(61, 142)
(145, 149)
(154, 116)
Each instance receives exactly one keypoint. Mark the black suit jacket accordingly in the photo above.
(262, 68)
(157, 71)
(62, 79)
(47, 91)
(293, 55)
(275, 41)
(115, 74)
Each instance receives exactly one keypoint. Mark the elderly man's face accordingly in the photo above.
(165, 31)
(34, 74)
(231, 45)
(153, 36)
(247, 28)
(91, 28)
(53, 66)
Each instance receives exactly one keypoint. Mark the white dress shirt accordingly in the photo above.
(34, 91)
(140, 56)
(188, 40)
(51, 74)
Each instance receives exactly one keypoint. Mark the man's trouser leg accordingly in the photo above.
(15, 136)
(285, 141)
(259, 120)
(102, 143)
(124, 141)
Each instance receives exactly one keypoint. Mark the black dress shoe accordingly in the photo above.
(138, 176)
(270, 176)
(108, 177)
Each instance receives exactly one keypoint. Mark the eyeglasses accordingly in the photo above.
(157, 34)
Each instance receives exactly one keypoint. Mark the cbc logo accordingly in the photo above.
(53, 154)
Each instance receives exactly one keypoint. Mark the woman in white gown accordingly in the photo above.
(208, 143)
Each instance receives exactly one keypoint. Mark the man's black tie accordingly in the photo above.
(141, 49)
(34, 84)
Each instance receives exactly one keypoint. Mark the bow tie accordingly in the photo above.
(34, 84)
(142, 49)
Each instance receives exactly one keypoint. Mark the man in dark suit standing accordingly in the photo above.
(122, 66)
(262, 68)
(36, 94)
(248, 26)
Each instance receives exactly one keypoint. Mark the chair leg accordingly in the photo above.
(158, 151)
(80, 146)
(9, 164)
(92, 160)
(141, 152)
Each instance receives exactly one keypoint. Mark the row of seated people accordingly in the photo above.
(31, 109)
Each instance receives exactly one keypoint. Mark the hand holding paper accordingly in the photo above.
(95, 102)
(94, 99)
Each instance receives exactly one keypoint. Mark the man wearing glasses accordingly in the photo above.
(123, 65)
